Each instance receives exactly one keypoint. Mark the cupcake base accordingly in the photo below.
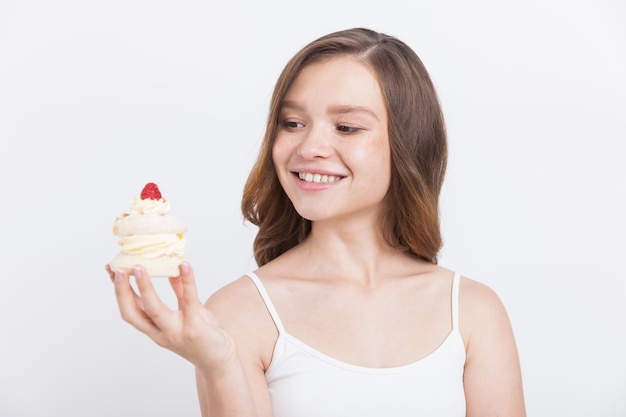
(162, 266)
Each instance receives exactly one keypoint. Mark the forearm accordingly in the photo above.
(226, 394)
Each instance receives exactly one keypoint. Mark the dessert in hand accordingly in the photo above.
(150, 235)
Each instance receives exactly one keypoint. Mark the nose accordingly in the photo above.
(314, 143)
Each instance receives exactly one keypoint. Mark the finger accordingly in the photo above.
(177, 285)
(107, 267)
(153, 306)
(130, 304)
(123, 289)
(189, 297)
(136, 299)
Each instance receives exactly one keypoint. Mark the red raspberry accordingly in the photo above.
(151, 191)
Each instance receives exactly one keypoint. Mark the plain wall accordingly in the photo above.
(98, 98)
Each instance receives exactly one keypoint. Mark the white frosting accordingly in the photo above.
(148, 224)
(160, 206)
(149, 230)
(152, 246)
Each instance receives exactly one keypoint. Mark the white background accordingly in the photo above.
(97, 98)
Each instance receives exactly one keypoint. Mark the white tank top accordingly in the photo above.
(304, 382)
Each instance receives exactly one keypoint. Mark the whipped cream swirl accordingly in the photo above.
(153, 246)
(144, 243)
(141, 206)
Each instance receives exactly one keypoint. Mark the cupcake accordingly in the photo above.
(150, 236)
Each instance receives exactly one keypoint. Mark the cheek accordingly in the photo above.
(281, 150)
(380, 166)
(280, 157)
(384, 152)
(383, 174)
(376, 158)
(278, 152)
(374, 169)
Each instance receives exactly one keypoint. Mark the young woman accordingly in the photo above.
(349, 313)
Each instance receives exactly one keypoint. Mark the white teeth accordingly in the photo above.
(309, 177)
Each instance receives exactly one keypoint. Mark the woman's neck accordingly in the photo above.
(351, 252)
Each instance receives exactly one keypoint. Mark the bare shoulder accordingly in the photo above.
(243, 315)
(477, 291)
(492, 376)
(483, 318)
(235, 297)
(479, 304)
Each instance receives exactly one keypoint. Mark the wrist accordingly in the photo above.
(229, 364)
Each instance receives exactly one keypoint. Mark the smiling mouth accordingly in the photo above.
(317, 178)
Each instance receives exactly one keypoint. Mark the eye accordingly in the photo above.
(291, 124)
(348, 129)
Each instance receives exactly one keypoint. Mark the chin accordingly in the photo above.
(312, 215)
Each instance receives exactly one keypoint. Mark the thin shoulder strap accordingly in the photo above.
(268, 302)
(455, 300)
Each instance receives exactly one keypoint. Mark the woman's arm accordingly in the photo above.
(492, 378)
(194, 333)
(225, 394)
(244, 317)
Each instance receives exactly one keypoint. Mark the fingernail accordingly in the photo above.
(184, 268)
(118, 275)
(137, 273)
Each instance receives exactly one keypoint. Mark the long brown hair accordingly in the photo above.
(410, 217)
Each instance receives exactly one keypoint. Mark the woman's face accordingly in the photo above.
(331, 150)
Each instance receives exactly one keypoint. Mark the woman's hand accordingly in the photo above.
(192, 331)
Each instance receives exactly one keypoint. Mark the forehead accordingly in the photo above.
(341, 80)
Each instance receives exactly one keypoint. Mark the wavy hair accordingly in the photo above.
(409, 220)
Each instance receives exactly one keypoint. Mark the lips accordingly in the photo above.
(318, 178)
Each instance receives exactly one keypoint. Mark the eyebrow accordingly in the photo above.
(333, 109)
